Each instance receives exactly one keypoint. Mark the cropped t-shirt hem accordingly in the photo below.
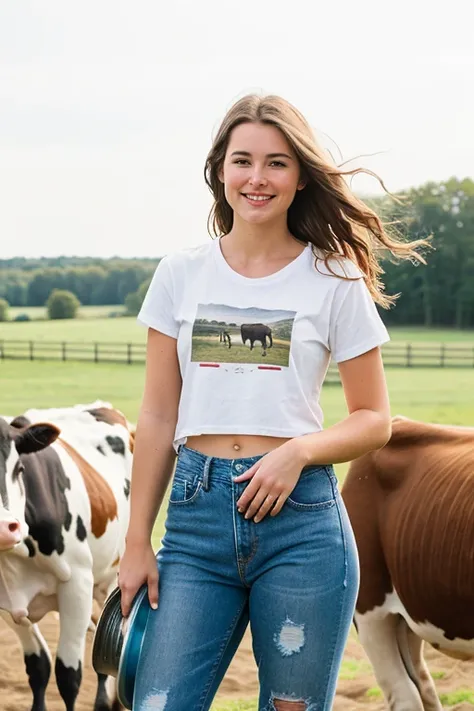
(360, 349)
(150, 322)
(180, 437)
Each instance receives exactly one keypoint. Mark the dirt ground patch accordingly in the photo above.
(356, 688)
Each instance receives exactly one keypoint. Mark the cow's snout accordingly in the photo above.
(10, 534)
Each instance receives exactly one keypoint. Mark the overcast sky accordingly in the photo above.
(108, 108)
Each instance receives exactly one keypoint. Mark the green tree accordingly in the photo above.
(42, 284)
(134, 301)
(62, 304)
(4, 306)
(442, 292)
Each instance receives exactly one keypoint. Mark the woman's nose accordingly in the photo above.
(257, 178)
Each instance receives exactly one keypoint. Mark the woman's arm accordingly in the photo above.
(153, 460)
(153, 455)
(368, 425)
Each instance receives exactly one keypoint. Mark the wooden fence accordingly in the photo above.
(397, 355)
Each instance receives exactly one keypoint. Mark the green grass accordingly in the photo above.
(418, 334)
(443, 396)
(208, 348)
(90, 312)
(374, 693)
(457, 697)
(93, 325)
(118, 330)
(352, 668)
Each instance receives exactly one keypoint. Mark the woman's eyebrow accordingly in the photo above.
(270, 155)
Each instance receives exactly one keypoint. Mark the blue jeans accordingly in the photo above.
(294, 576)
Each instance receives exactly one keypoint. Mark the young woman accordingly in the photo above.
(241, 331)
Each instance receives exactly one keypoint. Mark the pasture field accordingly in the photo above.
(126, 330)
(434, 395)
(208, 349)
(40, 312)
(437, 395)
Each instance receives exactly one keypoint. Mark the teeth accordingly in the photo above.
(257, 198)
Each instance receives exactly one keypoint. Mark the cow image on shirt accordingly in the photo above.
(229, 335)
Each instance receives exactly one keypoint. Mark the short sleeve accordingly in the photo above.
(355, 326)
(157, 308)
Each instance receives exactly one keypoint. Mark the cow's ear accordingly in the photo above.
(20, 422)
(36, 437)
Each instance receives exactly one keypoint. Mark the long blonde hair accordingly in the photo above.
(326, 213)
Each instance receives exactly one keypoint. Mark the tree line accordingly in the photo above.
(440, 293)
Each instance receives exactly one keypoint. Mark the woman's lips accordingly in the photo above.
(258, 203)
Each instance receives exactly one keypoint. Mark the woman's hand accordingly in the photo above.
(137, 566)
(273, 477)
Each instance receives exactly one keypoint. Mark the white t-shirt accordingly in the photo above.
(253, 352)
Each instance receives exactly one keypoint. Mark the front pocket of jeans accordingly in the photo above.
(313, 492)
(184, 491)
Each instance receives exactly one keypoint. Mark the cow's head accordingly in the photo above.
(16, 439)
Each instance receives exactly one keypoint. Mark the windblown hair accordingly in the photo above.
(326, 213)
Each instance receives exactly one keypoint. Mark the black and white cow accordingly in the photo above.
(64, 489)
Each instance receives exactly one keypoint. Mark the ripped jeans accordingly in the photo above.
(293, 576)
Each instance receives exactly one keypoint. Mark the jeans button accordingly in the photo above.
(238, 467)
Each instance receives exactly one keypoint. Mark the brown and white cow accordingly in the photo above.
(64, 489)
(411, 505)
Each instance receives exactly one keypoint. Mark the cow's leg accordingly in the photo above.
(412, 645)
(106, 698)
(378, 636)
(75, 609)
(37, 660)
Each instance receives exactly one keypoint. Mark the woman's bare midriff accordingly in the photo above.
(234, 446)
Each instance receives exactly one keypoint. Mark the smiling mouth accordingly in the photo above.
(258, 198)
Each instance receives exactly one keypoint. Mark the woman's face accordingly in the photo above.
(261, 173)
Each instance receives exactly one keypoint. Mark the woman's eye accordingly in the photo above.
(279, 164)
(239, 161)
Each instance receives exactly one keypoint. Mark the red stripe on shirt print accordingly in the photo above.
(209, 365)
(269, 367)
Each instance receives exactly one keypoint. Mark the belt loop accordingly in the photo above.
(205, 477)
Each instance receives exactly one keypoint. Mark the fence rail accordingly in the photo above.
(94, 352)
(397, 355)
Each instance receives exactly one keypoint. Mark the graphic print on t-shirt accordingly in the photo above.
(225, 334)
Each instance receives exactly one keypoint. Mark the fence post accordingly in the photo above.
(441, 356)
(2, 353)
(408, 365)
(64, 356)
(129, 353)
(96, 352)
(32, 350)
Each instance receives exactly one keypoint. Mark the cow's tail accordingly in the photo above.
(270, 339)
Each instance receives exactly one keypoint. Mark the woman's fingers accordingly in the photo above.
(127, 593)
(278, 505)
(249, 494)
(265, 507)
(153, 590)
(255, 503)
